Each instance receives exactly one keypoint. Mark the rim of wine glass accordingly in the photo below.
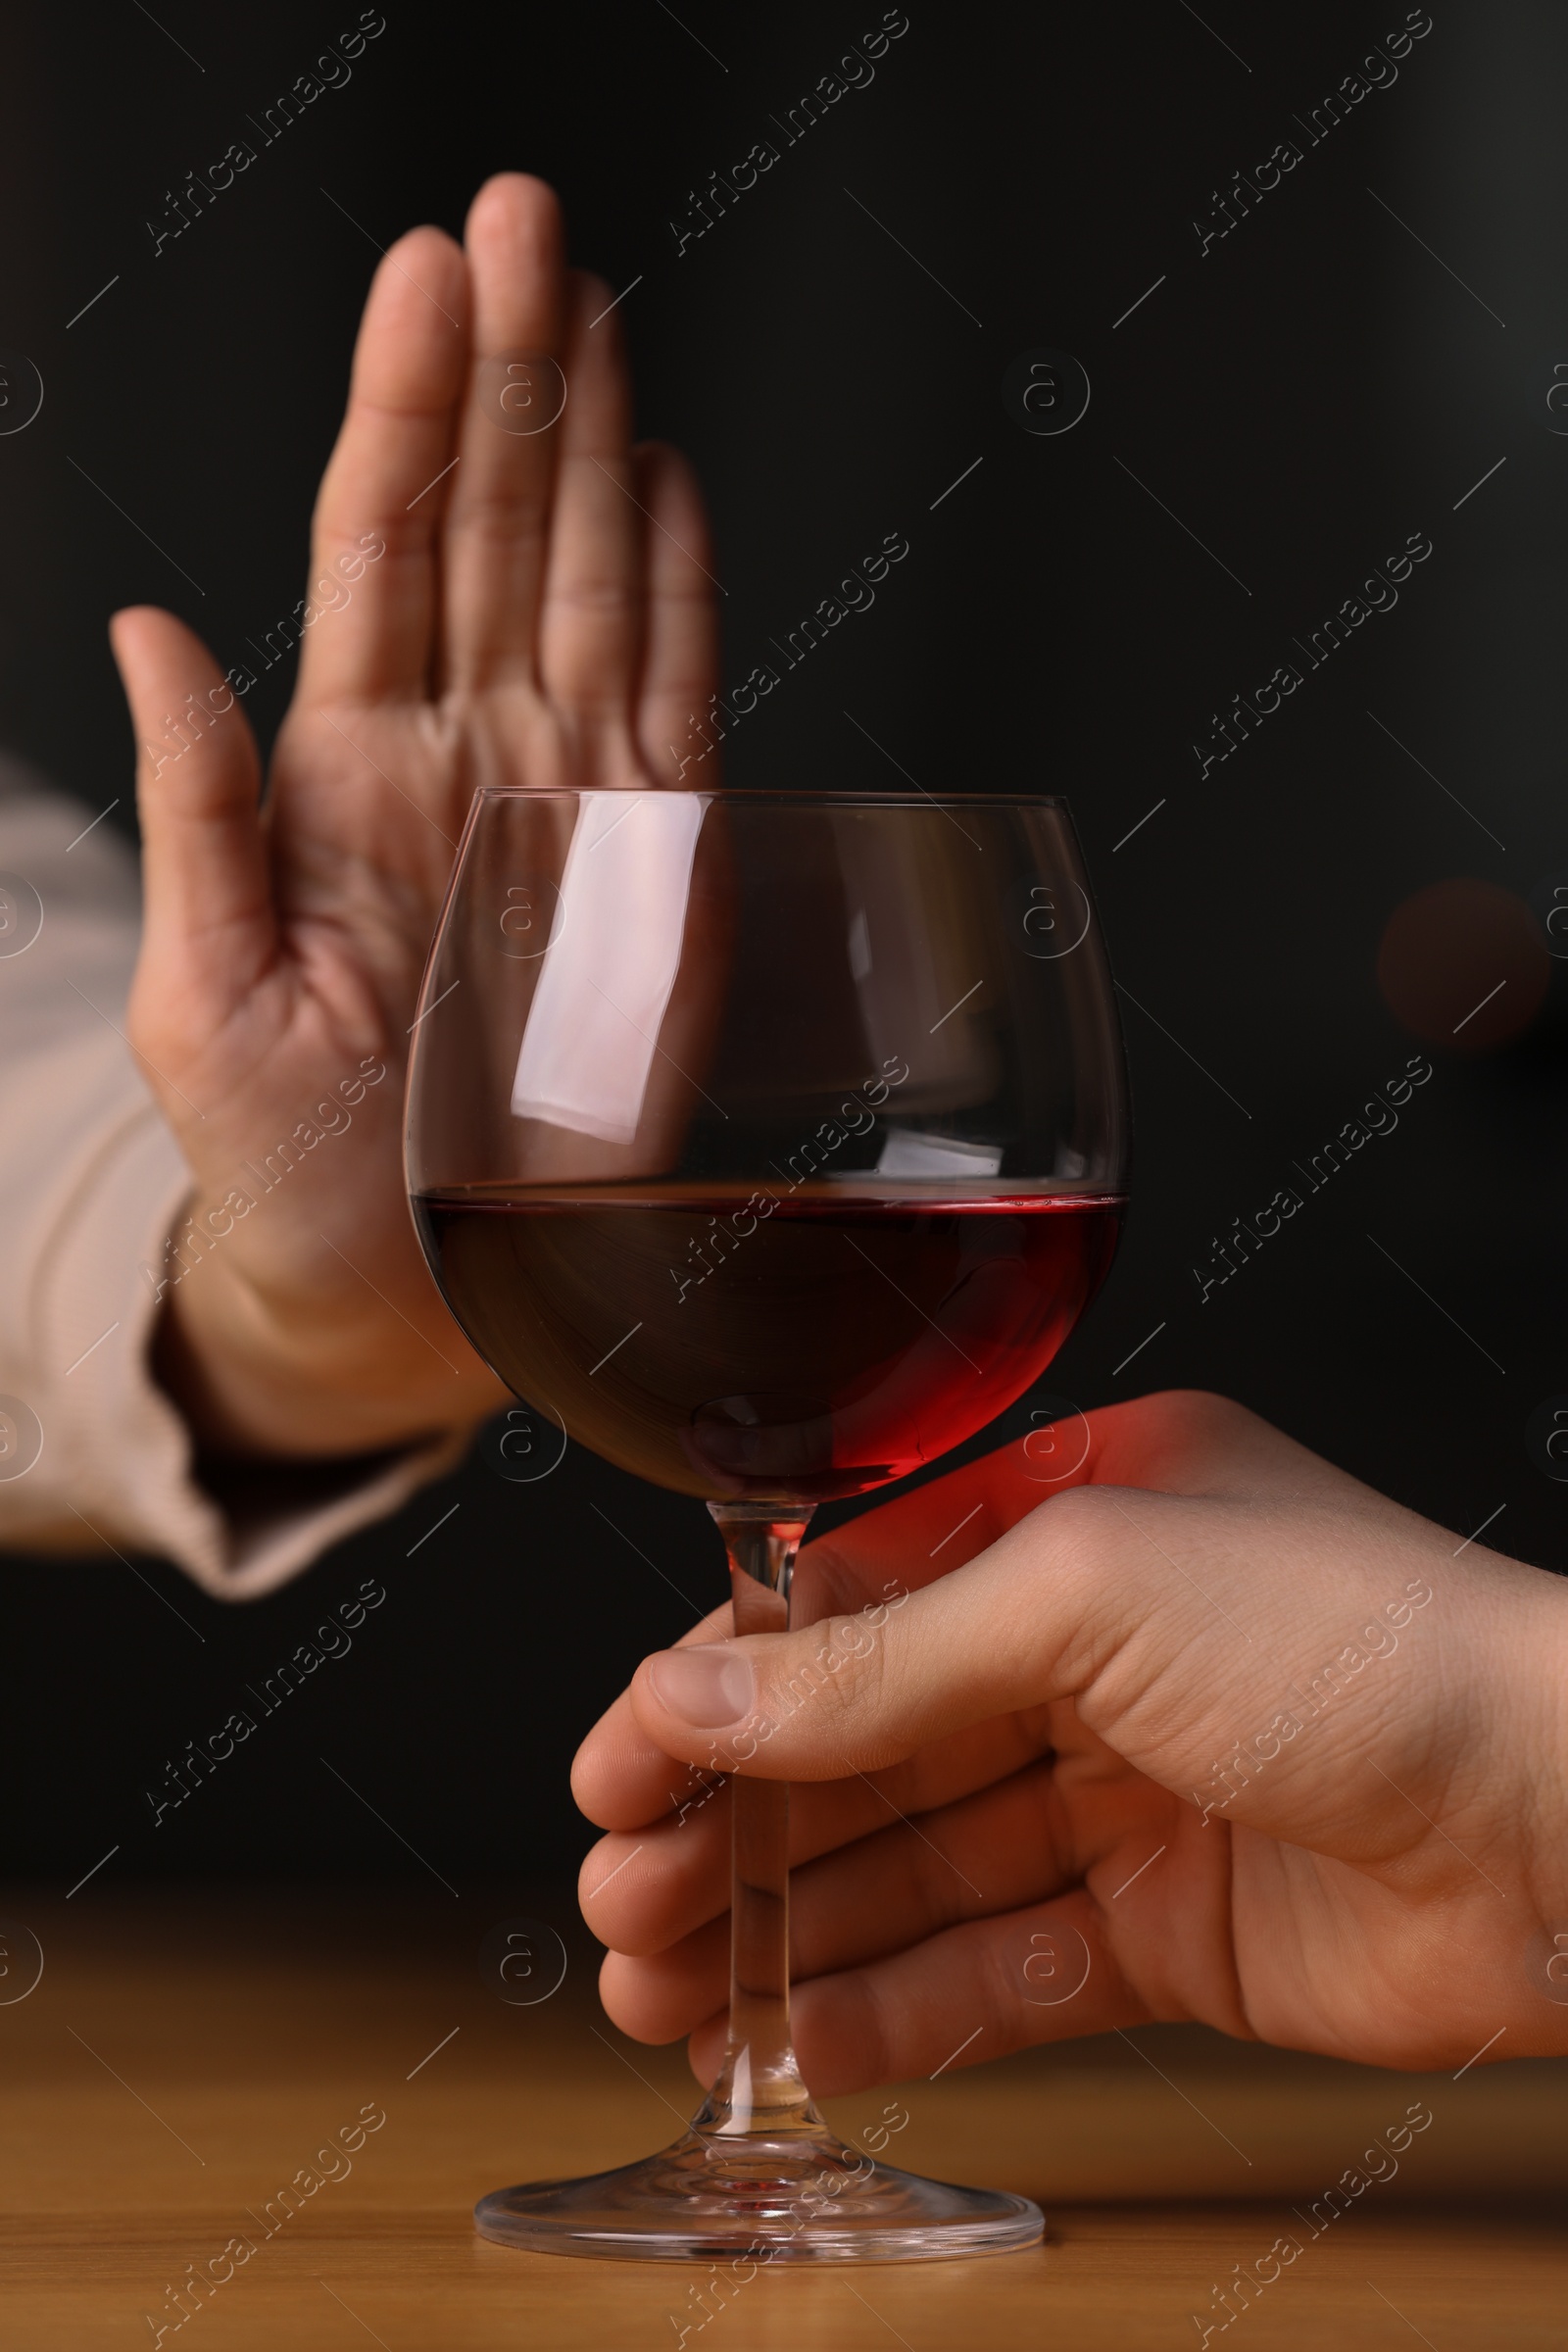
(788, 796)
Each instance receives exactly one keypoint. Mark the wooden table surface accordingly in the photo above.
(185, 2053)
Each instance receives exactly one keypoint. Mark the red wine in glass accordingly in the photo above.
(773, 1144)
(833, 1344)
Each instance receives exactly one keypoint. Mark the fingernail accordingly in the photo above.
(709, 1685)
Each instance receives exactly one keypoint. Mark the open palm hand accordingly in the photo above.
(489, 605)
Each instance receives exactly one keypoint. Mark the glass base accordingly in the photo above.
(790, 2198)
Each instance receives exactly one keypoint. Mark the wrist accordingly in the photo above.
(260, 1375)
(1538, 1661)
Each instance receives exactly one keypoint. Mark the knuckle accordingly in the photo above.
(1085, 1534)
(597, 593)
(834, 1670)
(1201, 1417)
(1078, 1521)
(512, 513)
(408, 536)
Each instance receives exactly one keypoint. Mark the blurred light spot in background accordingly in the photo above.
(1463, 965)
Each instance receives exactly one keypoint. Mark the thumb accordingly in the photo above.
(1140, 1575)
(1011, 1629)
(1149, 1611)
(209, 928)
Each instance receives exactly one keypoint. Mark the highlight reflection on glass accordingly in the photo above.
(773, 1144)
(609, 967)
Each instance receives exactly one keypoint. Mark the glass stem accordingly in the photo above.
(759, 2088)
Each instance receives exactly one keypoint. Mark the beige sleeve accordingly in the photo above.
(93, 1452)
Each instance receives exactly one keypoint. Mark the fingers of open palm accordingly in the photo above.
(644, 1888)
(592, 618)
(973, 1991)
(680, 651)
(497, 527)
(209, 926)
(373, 640)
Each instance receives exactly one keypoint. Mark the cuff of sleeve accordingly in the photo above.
(123, 1458)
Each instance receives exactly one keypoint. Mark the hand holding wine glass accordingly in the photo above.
(489, 605)
(1217, 1734)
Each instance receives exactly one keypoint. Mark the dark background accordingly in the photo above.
(1314, 389)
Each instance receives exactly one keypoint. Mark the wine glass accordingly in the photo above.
(772, 1144)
